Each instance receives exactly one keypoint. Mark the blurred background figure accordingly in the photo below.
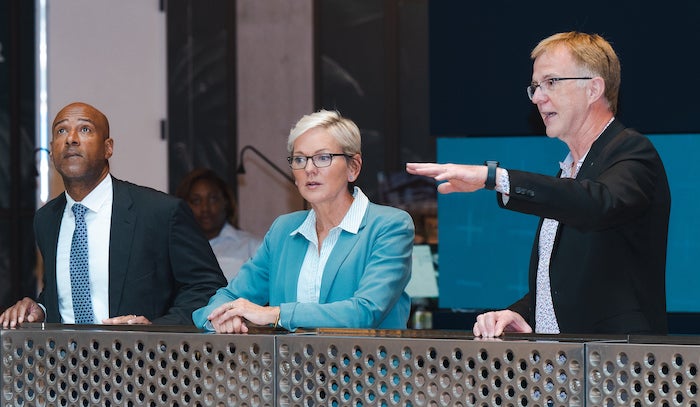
(214, 207)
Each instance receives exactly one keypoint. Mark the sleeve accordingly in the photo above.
(251, 283)
(194, 267)
(611, 196)
(523, 307)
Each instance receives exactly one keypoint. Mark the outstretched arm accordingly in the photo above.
(457, 177)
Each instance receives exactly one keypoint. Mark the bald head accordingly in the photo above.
(84, 112)
(81, 148)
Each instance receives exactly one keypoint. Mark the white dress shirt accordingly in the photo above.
(232, 248)
(98, 219)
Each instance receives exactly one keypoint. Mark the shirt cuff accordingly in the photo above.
(503, 182)
(208, 326)
(503, 185)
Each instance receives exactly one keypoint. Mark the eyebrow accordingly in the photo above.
(319, 151)
(80, 119)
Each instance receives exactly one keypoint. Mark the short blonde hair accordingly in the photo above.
(343, 130)
(593, 53)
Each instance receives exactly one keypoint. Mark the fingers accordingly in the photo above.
(223, 308)
(454, 177)
(501, 325)
(230, 325)
(425, 169)
(231, 317)
(490, 324)
(485, 325)
(24, 310)
(218, 311)
(248, 311)
(36, 314)
(493, 324)
(518, 324)
(127, 320)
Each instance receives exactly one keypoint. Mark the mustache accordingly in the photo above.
(69, 152)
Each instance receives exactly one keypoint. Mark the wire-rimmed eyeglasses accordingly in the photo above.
(298, 162)
(548, 85)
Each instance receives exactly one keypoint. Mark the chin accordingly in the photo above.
(551, 132)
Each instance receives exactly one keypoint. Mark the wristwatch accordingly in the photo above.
(491, 174)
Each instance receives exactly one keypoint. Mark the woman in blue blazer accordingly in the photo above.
(343, 263)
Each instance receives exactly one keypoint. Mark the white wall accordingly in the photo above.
(112, 55)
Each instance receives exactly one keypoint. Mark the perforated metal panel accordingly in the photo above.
(361, 371)
(84, 368)
(65, 367)
(642, 375)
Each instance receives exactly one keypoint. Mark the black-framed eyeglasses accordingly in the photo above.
(549, 84)
(298, 162)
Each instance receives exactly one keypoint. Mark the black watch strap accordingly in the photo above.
(491, 174)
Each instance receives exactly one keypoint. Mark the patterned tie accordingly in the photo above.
(79, 273)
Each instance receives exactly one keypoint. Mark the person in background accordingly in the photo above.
(114, 252)
(598, 263)
(343, 263)
(214, 208)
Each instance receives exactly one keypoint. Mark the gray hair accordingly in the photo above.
(344, 130)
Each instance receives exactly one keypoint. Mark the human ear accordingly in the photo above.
(596, 89)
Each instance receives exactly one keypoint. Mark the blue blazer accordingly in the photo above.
(362, 286)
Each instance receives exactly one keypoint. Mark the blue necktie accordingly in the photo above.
(79, 273)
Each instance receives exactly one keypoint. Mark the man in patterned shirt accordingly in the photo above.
(598, 262)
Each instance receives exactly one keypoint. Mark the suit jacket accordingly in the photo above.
(608, 265)
(363, 282)
(160, 264)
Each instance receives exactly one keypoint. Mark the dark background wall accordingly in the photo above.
(17, 165)
(201, 128)
(480, 62)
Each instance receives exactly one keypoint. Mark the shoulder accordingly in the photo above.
(383, 217)
(379, 212)
(56, 204)
(628, 143)
(621, 136)
(289, 221)
(58, 201)
(142, 194)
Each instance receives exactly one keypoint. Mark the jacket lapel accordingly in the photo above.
(589, 168)
(51, 231)
(120, 241)
(343, 247)
(294, 258)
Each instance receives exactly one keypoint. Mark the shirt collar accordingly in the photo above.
(351, 221)
(97, 197)
(569, 160)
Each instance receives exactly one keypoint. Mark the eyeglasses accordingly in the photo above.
(548, 85)
(298, 162)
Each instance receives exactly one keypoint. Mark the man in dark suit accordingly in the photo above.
(147, 260)
(598, 262)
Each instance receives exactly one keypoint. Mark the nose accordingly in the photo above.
(206, 207)
(310, 162)
(538, 95)
(72, 138)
